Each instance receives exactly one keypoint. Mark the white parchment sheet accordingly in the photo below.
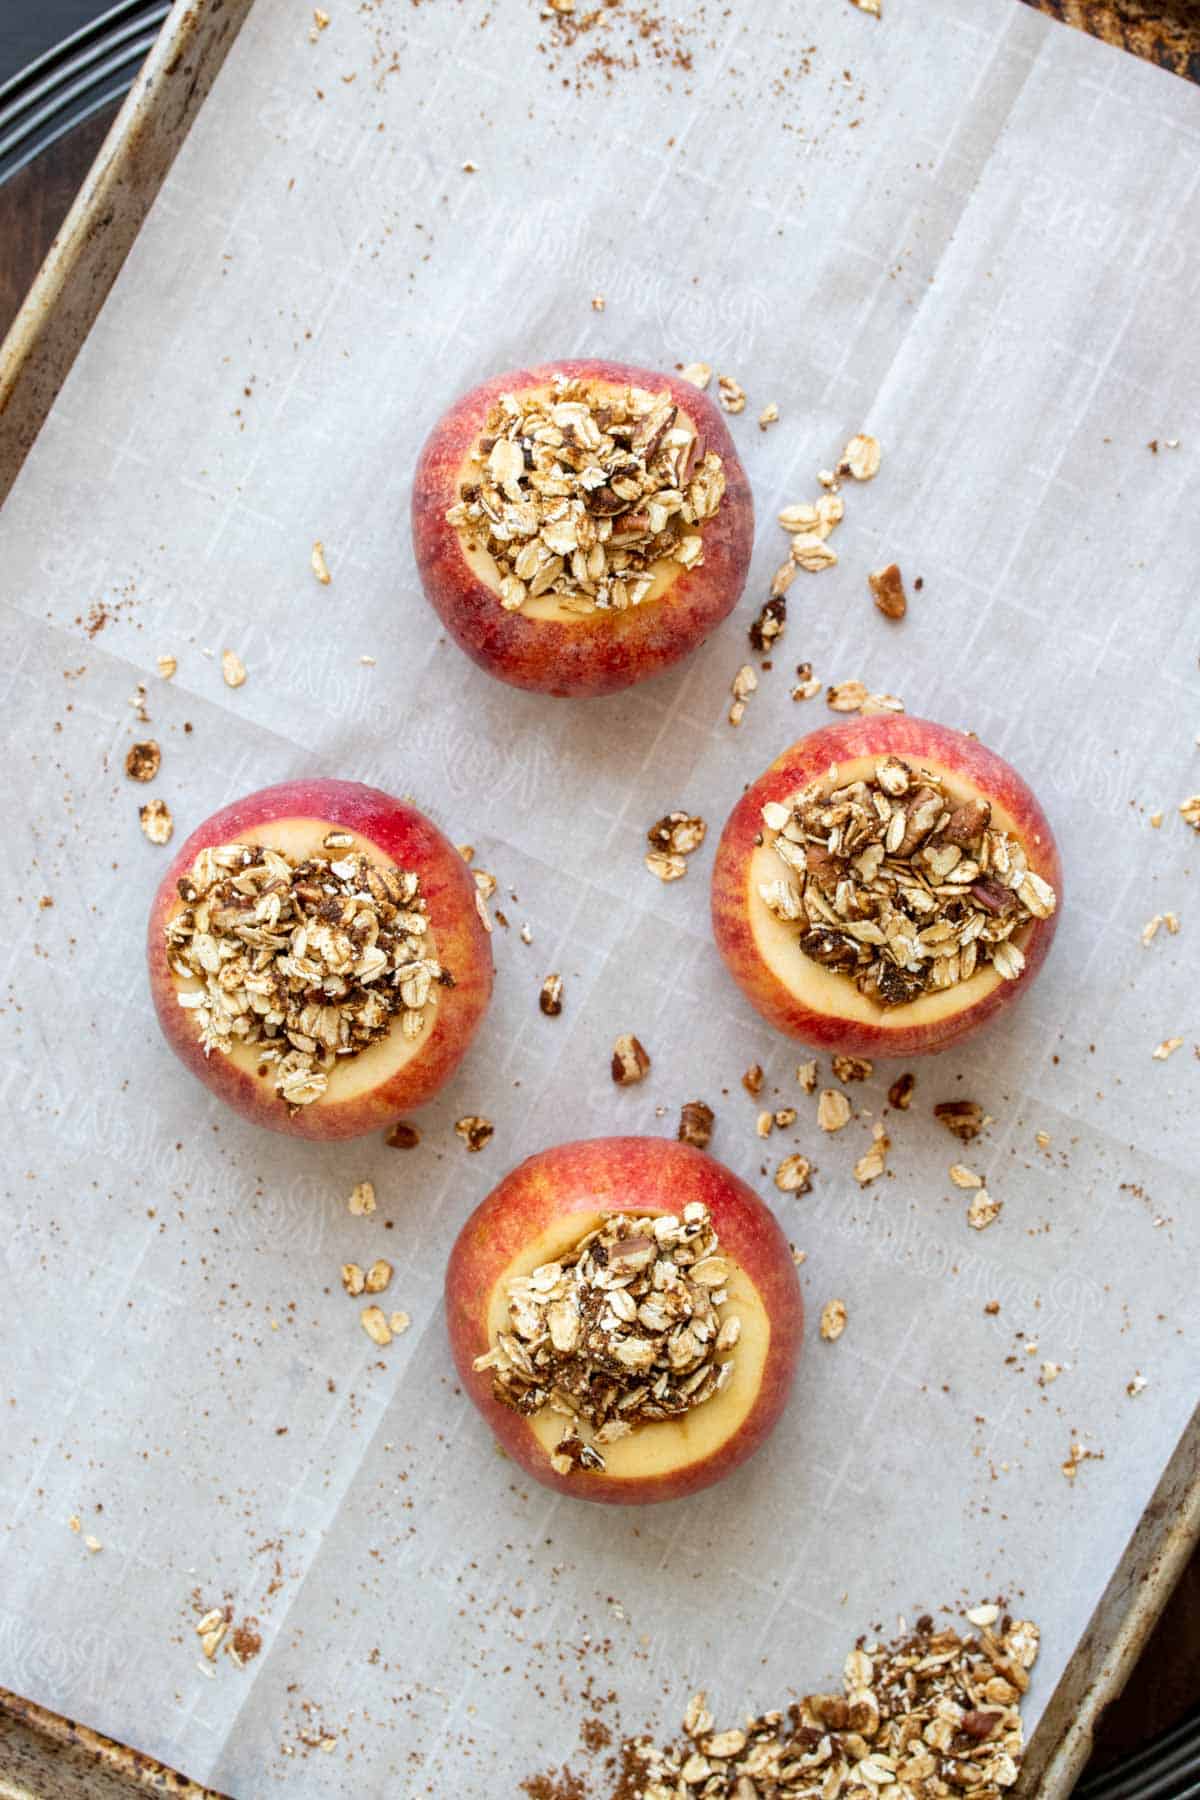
(976, 234)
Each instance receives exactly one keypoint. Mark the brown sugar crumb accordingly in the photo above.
(143, 761)
(696, 1121)
(245, 1642)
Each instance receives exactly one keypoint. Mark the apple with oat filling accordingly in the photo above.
(581, 526)
(626, 1315)
(886, 887)
(318, 959)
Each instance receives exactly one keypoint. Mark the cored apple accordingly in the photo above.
(347, 938)
(537, 1217)
(543, 641)
(829, 999)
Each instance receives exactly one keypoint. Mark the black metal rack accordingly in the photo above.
(86, 72)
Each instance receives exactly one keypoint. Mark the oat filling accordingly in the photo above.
(900, 886)
(583, 490)
(308, 961)
(625, 1329)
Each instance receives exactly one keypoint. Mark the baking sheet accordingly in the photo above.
(976, 243)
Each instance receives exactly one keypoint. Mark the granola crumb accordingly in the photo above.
(156, 820)
(378, 1276)
(806, 1075)
(320, 567)
(402, 1136)
(846, 696)
(398, 1323)
(1134, 1387)
(353, 1279)
(166, 665)
(1189, 810)
(962, 1177)
(963, 1119)
(833, 1320)
(1050, 1373)
(991, 1308)
(871, 1165)
(861, 457)
(745, 682)
(752, 1079)
(808, 685)
(362, 1199)
(630, 1060)
(672, 839)
(873, 7)
(526, 933)
(93, 1544)
(901, 1091)
(696, 1120)
(474, 1130)
(598, 303)
(1042, 1139)
(833, 1110)
(887, 586)
(374, 1323)
(768, 627)
(983, 1210)
(470, 168)
(1156, 818)
(852, 1068)
(233, 669)
(550, 998)
(785, 1117)
(1077, 1456)
(699, 374)
(1168, 1047)
(731, 394)
(764, 1123)
(143, 760)
(768, 416)
(794, 1175)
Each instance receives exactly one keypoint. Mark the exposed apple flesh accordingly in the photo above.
(541, 1211)
(823, 1006)
(374, 1086)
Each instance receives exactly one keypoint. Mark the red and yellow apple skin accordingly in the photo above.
(818, 1005)
(373, 1088)
(593, 653)
(541, 1209)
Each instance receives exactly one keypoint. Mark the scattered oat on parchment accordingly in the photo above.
(320, 567)
(630, 1060)
(233, 669)
(156, 820)
(474, 1130)
(833, 1320)
(362, 1199)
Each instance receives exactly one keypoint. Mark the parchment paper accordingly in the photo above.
(964, 228)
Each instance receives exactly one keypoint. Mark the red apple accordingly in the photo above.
(544, 646)
(373, 1087)
(823, 1006)
(539, 1212)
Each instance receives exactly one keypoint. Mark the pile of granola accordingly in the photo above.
(626, 1328)
(582, 491)
(310, 960)
(898, 885)
(933, 1714)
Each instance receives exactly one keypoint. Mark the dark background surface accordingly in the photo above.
(27, 27)
(1166, 1684)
